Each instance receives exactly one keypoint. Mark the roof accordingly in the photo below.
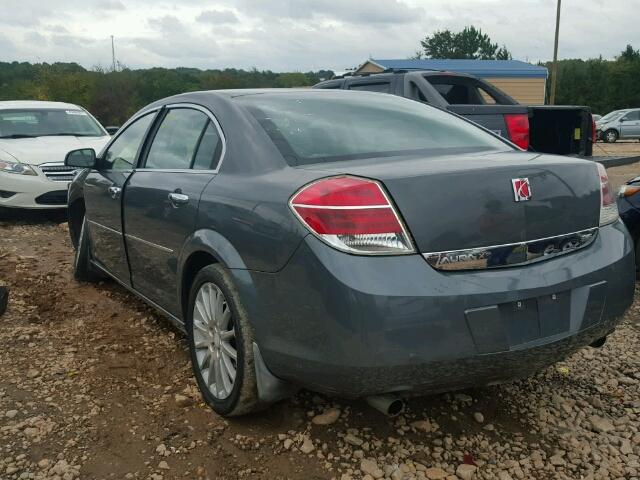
(11, 104)
(479, 68)
(244, 92)
(210, 97)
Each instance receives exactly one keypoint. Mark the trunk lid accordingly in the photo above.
(468, 201)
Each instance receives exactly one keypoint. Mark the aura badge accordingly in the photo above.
(521, 189)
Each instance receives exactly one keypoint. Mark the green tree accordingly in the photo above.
(630, 54)
(470, 43)
(603, 85)
(113, 96)
(289, 80)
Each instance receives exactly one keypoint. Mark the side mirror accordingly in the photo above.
(623, 120)
(112, 130)
(82, 158)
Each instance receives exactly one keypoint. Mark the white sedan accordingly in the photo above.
(34, 139)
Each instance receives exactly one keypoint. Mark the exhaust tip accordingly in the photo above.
(598, 343)
(395, 408)
(389, 405)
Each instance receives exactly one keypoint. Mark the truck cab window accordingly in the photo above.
(416, 93)
(381, 87)
(461, 91)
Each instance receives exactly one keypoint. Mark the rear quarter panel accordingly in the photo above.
(247, 218)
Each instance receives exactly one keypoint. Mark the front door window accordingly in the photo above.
(122, 153)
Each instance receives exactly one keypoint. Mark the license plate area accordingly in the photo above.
(531, 319)
(506, 326)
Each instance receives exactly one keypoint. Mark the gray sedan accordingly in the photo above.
(349, 242)
(619, 125)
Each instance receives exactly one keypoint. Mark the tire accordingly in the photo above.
(4, 299)
(211, 332)
(610, 136)
(83, 271)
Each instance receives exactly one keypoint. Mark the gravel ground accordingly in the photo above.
(619, 175)
(95, 385)
(622, 148)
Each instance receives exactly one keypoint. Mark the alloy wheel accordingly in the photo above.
(214, 337)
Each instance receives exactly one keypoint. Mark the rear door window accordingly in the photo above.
(176, 140)
(209, 150)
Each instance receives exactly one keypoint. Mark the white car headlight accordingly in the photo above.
(16, 167)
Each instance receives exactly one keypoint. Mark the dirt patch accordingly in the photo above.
(620, 175)
(623, 148)
(96, 385)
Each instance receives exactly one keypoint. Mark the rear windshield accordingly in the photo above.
(323, 126)
(21, 123)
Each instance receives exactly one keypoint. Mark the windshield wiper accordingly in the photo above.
(18, 135)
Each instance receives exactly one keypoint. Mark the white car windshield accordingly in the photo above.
(26, 123)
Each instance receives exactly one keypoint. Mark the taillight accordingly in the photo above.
(518, 128)
(608, 206)
(628, 190)
(353, 215)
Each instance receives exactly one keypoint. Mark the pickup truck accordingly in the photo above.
(561, 130)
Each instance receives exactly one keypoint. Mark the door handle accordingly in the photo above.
(178, 199)
(114, 192)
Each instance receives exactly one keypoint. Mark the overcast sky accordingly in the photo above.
(298, 35)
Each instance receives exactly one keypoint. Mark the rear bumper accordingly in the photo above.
(31, 191)
(356, 326)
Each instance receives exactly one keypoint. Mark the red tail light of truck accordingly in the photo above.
(518, 128)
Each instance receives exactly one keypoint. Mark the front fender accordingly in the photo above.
(75, 206)
(75, 190)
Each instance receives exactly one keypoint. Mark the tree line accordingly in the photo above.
(113, 96)
(603, 85)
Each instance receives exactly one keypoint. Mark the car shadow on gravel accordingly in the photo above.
(17, 216)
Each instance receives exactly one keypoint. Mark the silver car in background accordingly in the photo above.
(619, 125)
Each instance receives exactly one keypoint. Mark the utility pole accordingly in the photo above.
(554, 66)
(113, 55)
